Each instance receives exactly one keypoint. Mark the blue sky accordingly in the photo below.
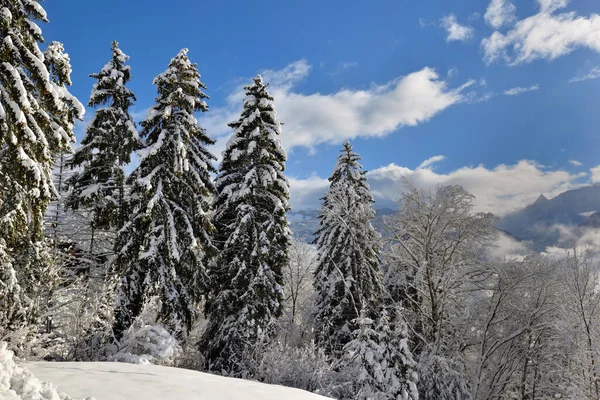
(404, 80)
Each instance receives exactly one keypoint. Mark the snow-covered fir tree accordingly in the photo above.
(36, 122)
(107, 146)
(161, 249)
(377, 361)
(399, 367)
(253, 238)
(362, 360)
(348, 272)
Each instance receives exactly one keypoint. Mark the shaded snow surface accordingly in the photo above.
(120, 381)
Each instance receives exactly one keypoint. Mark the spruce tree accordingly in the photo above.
(36, 122)
(348, 271)
(252, 236)
(161, 249)
(106, 149)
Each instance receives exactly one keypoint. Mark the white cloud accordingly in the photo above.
(585, 240)
(545, 35)
(500, 190)
(519, 90)
(508, 248)
(312, 119)
(306, 193)
(575, 163)
(430, 161)
(456, 31)
(587, 214)
(500, 13)
(591, 74)
(595, 172)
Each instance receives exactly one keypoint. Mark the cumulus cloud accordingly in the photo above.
(591, 74)
(500, 190)
(575, 163)
(549, 34)
(500, 13)
(595, 172)
(520, 90)
(456, 31)
(312, 119)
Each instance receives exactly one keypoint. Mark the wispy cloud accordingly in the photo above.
(591, 74)
(575, 163)
(520, 90)
(546, 35)
(454, 30)
(430, 161)
(348, 65)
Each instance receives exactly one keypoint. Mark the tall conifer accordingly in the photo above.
(348, 272)
(253, 238)
(162, 248)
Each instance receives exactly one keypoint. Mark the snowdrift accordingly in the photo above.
(120, 381)
(18, 383)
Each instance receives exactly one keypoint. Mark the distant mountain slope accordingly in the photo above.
(537, 222)
(304, 223)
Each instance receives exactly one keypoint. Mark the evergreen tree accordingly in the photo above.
(106, 149)
(377, 361)
(399, 368)
(161, 250)
(348, 272)
(36, 122)
(253, 238)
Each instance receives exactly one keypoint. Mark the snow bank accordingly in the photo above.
(119, 381)
(17, 383)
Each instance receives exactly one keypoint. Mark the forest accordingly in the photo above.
(140, 245)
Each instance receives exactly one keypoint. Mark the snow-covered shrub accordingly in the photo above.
(147, 344)
(18, 383)
(303, 368)
(442, 377)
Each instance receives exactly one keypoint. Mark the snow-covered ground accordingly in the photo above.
(120, 381)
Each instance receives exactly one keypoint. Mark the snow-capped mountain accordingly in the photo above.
(543, 221)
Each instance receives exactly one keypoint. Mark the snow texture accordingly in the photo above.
(117, 381)
(17, 382)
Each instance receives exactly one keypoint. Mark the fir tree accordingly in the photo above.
(399, 367)
(106, 149)
(36, 122)
(161, 250)
(348, 272)
(378, 362)
(362, 361)
(253, 238)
